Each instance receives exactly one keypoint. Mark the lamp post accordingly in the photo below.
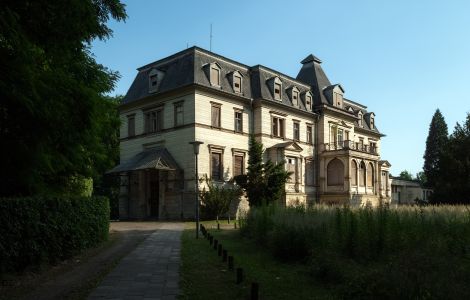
(196, 145)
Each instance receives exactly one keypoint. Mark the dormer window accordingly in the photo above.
(236, 79)
(360, 119)
(275, 86)
(213, 71)
(215, 75)
(307, 97)
(293, 93)
(372, 123)
(338, 100)
(277, 91)
(153, 81)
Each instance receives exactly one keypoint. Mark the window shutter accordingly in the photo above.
(238, 165)
(216, 165)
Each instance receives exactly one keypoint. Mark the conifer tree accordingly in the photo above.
(435, 145)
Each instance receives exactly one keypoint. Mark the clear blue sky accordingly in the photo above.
(402, 59)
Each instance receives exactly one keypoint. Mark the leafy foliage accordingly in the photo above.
(216, 199)
(264, 182)
(54, 116)
(34, 230)
(435, 146)
(405, 175)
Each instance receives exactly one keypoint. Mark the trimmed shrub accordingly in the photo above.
(36, 230)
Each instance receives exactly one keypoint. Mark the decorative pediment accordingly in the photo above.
(289, 146)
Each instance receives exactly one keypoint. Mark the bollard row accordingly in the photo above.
(214, 243)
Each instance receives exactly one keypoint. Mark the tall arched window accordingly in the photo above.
(335, 172)
(362, 174)
(353, 172)
(370, 175)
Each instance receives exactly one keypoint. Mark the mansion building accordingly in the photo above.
(330, 144)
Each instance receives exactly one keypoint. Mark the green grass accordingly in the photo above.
(204, 276)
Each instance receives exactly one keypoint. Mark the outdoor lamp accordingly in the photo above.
(196, 145)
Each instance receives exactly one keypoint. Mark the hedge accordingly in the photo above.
(36, 230)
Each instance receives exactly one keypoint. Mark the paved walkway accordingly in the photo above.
(151, 271)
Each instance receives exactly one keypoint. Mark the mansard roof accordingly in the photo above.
(186, 68)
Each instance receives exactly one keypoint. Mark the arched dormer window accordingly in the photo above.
(372, 121)
(275, 85)
(294, 93)
(236, 79)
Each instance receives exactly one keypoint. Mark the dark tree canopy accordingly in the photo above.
(264, 182)
(405, 175)
(435, 145)
(452, 183)
(56, 123)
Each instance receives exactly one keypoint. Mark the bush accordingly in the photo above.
(36, 230)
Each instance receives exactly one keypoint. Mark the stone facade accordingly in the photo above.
(408, 192)
(329, 143)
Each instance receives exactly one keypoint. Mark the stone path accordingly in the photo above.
(151, 271)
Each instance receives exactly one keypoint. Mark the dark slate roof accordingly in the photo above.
(313, 75)
(365, 115)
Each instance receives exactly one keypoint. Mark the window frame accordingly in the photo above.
(309, 132)
(214, 107)
(148, 121)
(131, 129)
(218, 150)
(179, 104)
(296, 131)
(235, 89)
(279, 123)
(238, 120)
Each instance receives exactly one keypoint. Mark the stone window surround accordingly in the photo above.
(220, 150)
(242, 153)
(216, 105)
(177, 104)
(131, 129)
(240, 111)
(149, 110)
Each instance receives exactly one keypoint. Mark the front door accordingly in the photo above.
(154, 195)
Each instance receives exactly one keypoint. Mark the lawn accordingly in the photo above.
(205, 276)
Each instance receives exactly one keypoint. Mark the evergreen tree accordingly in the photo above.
(264, 182)
(435, 145)
(453, 181)
(54, 116)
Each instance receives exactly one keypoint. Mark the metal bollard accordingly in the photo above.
(239, 275)
(254, 291)
(224, 255)
(230, 262)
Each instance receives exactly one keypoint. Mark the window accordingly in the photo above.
(295, 97)
(277, 91)
(373, 147)
(296, 131)
(360, 119)
(353, 173)
(291, 167)
(308, 101)
(215, 120)
(309, 171)
(154, 121)
(153, 81)
(338, 100)
(309, 134)
(335, 173)
(340, 137)
(216, 166)
(362, 174)
(370, 175)
(238, 165)
(277, 127)
(215, 75)
(372, 123)
(131, 125)
(237, 84)
(361, 144)
(179, 114)
(238, 121)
